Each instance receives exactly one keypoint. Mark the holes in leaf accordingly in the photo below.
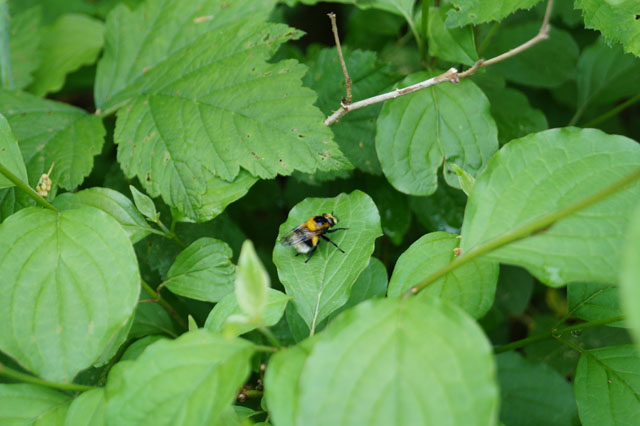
(301, 136)
(637, 16)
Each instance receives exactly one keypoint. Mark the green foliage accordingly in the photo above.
(482, 267)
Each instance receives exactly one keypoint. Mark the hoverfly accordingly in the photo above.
(305, 237)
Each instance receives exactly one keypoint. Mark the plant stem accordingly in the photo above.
(270, 337)
(27, 378)
(524, 231)
(5, 51)
(170, 234)
(167, 307)
(607, 115)
(26, 188)
(347, 79)
(553, 332)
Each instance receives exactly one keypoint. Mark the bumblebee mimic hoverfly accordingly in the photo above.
(305, 237)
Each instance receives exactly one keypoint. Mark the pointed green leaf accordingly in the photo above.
(144, 204)
(73, 41)
(87, 409)
(252, 283)
(203, 271)
(10, 155)
(26, 404)
(592, 302)
(417, 132)
(478, 11)
(228, 306)
(471, 286)
(25, 37)
(53, 132)
(66, 299)
(465, 179)
(220, 194)
(607, 387)
(617, 20)
(630, 276)
(450, 44)
(111, 202)
(187, 381)
(322, 285)
(541, 173)
(399, 362)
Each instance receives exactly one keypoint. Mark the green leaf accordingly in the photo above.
(371, 284)
(617, 20)
(416, 132)
(471, 286)
(478, 11)
(252, 283)
(112, 203)
(10, 155)
(190, 381)
(591, 302)
(393, 206)
(150, 318)
(144, 204)
(26, 404)
(228, 306)
(442, 211)
(607, 387)
(515, 286)
(533, 394)
(630, 276)
(136, 348)
(220, 194)
(533, 67)
(541, 173)
(53, 132)
(355, 132)
(73, 41)
(399, 362)
(203, 271)
(465, 179)
(450, 44)
(66, 297)
(25, 37)
(87, 409)
(322, 285)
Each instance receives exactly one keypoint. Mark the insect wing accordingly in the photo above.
(296, 235)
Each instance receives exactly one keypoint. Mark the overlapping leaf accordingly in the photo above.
(541, 173)
(87, 409)
(591, 302)
(479, 11)
(630, 276)
(10, 155)
(371, 284)
(65, 300)
(617, 20)
(25, 36)
(25, 404)
(451, 44)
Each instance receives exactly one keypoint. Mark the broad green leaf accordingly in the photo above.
(26, 404)
(606, 74)
(630, 276)
(25, 36)
(322, 285)
(442, 211)
(10, 155)
(73, 41)
(72, 282)
(471, 286)
(355, 132)
(228, 306)
(144, 204)
(87, 409)
(252, 283)
(617, 20)
(607, 386)
(590, 302)
(135, 349)
(478, 11)
(111, 202)
(53, 132)
(450, 44)
(371, 284)
(515, 286)
(399, 362)
(533, 394)
(187, 381)
(445, 122)
(220, 194)
(533, 67)
(541, 173)
(203, 271)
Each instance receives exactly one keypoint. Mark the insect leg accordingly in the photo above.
(327, 239)
(336, 229)
(313, 250)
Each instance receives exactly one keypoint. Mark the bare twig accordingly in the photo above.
(347, 79)
(452, 75)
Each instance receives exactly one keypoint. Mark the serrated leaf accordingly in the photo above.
(72, 41)
(591, 302)
(532, 67)
(111, 202)
(418, 132)
(630, 276)
(10, 155)
(87, 409)
(203, 271)
(322, 285)
(190, 380)
(144, 204)
(617, 20)
(542, 173)
(478, 11)
(371, 284)
(355, 132)
(450, 44)
(67, 300)
(25, 36)
(607, 387)
(26, 404)
(53, 132)
(533, 394)
(228, 306)
(471, 286)
(252, 283)
(390, 348)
